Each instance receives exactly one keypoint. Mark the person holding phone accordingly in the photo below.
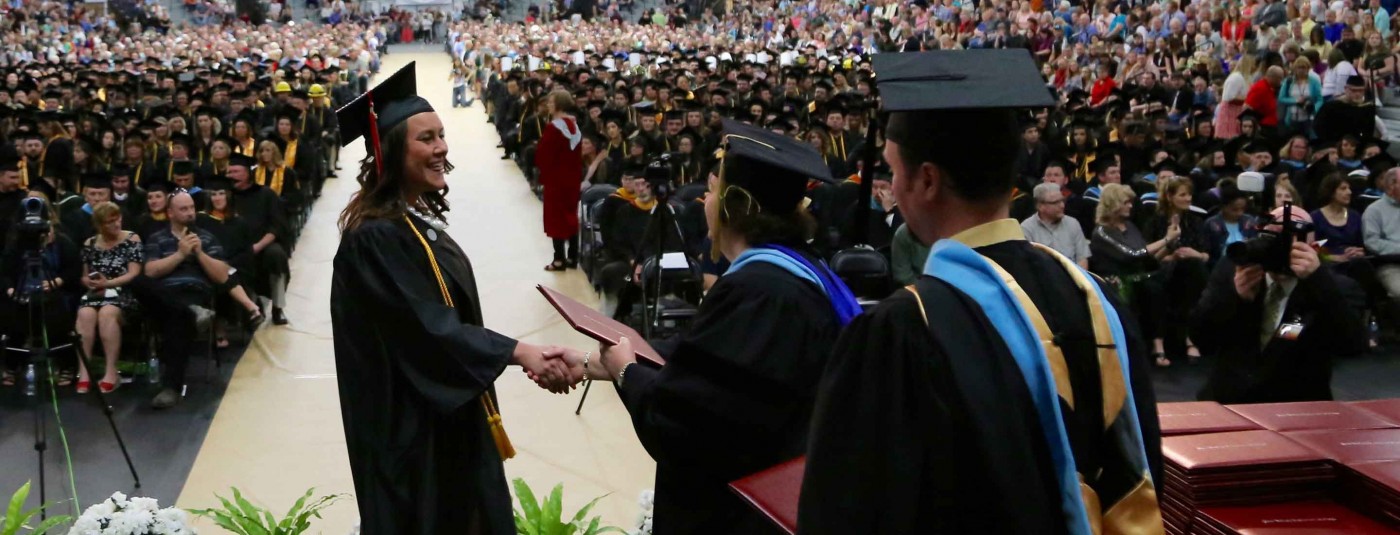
(111, 259)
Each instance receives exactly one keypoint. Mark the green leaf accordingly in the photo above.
(292, 515)
(12, 514)
(51, 523)
(583, 513)
(593, 526)
(529, 505)
(553, 511)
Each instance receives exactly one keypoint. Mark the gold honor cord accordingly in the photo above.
(493, 416)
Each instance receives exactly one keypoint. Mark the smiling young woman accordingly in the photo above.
(415, 364)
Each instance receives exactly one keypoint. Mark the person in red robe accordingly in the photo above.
(1263, 99)
(561, 171)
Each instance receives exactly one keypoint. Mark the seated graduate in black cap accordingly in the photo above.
(182, 174)
(11, 190)
(735, 394)
(416, 365)
(154, 217)
(925, 422)
(262, 210)
(222, 220)
(97, 189)
(1351, 113)
(126, 194)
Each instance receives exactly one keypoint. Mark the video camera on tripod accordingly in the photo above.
(31, 234)
(660, 175)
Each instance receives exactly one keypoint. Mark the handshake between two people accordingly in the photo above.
(560, 369)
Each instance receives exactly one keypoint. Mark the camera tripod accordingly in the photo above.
(38, 350)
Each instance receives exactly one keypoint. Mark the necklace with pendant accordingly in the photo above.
(435, 223)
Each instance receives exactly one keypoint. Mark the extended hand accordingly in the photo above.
(560, 370)
(540, 369)
(616, 358)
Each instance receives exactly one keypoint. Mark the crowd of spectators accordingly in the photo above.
(176, 166)
(1178, 128)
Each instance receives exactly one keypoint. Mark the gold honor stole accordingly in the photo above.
(493, 416)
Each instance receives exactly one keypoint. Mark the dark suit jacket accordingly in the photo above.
(1283, 370)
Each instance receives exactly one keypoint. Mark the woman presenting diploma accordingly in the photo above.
(414, 363)
(736, 393)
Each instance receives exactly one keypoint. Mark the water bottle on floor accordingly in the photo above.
(31, 383)
(153, 370)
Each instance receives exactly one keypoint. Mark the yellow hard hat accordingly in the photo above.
(316, 91)
(282, 87)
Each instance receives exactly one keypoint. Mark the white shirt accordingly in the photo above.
(1334, 81)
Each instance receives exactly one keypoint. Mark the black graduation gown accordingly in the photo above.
(735, 397)
(411, 372)
(920, 430)
(234, 235)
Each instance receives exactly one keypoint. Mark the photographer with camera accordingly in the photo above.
(1272, 312)
(39, 272)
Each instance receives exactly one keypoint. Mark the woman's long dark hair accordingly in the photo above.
(382, 197)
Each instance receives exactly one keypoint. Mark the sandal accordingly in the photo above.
(83, 386)
(7, 378)
(65, 378)
(1162, 360)
(108, 388)
(221, 342)
(255, 318)
(571, 264)
(555, 266)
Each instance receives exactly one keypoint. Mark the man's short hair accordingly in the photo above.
(1044, 190)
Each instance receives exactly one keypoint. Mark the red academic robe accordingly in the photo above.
(561, 171)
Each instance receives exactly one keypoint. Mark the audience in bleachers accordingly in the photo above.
(134, 131)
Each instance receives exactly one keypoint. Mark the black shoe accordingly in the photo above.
(278, 317)
(505, 156)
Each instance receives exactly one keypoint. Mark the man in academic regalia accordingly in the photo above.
(97, 189)
(1003, 392)
(10, 191)
(1348, 114)
(262, 210)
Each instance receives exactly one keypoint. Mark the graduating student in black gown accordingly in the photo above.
(924, 421)
(736, 393)
(416, 373)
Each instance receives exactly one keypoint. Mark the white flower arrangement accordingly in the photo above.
(119, 515)
(647, 501)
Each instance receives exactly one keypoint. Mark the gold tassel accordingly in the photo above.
(498, 428)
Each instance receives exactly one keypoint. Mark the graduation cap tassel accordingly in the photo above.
(374, 135)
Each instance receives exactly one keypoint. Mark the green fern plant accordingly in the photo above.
(16, 518)
(535, 518)
(243, 518)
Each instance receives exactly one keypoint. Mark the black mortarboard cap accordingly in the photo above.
(645, 107)
(241, 160)
(386, 106)
(218, 183)
(161, 185)
(773, 168)
(1251, 115)
(960, 79)
(119, 169)
(182, 167)
(97, 179)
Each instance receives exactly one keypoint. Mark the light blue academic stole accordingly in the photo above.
(991, 288)
(843, 303)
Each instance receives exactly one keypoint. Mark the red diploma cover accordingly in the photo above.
(774, 492)
(599, 327)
